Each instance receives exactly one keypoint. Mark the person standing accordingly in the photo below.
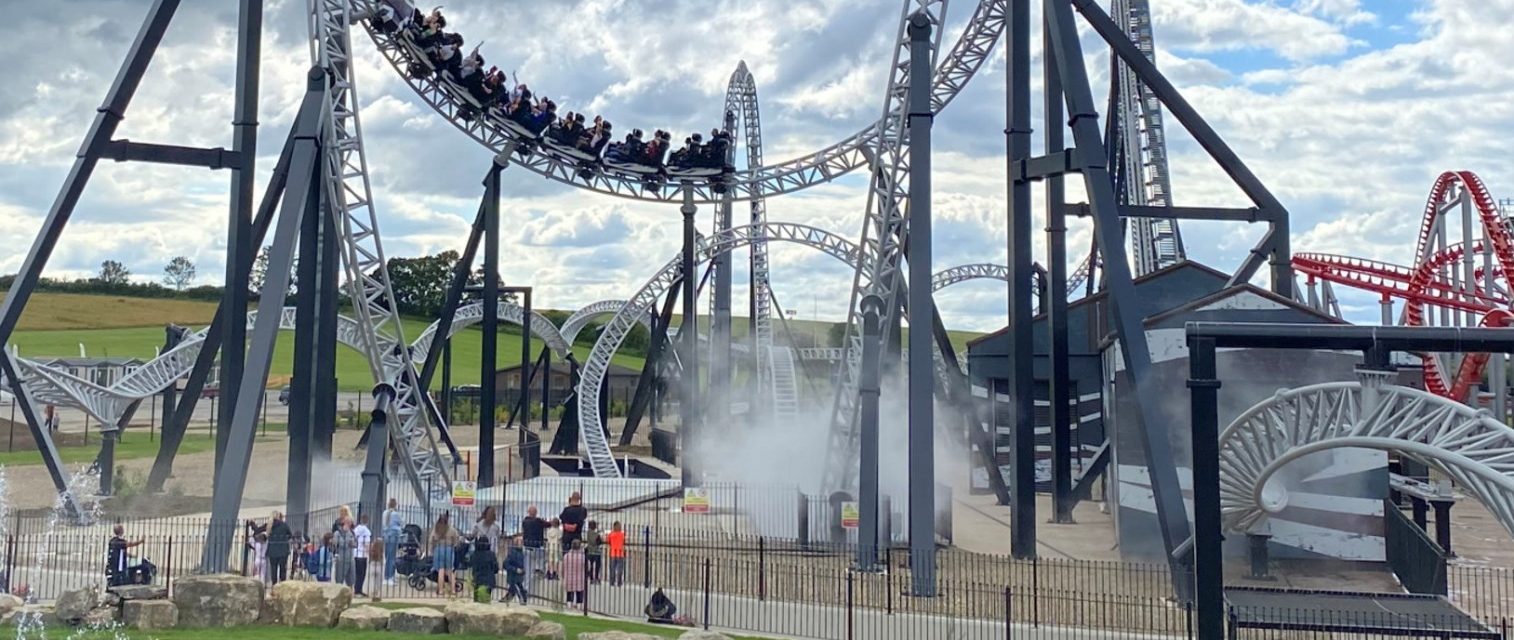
(574, 573)
(343, 546)
(487, 527)
(343, 514)
(392, 527)
(515, 571)
(554, 549)
(443, 555)
(572, 518)
(617, 540)
(593, 551)
(534, 533)
(118, 572)
(278, 549)
(485, 567)
(50, 418)
(363, 538)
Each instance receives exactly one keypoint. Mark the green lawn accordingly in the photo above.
(135, 445)
(352, 369)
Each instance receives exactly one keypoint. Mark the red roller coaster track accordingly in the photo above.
(1432, 282)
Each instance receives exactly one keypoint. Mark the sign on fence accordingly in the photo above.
(696, 500)
(463, 493)
(851, 516)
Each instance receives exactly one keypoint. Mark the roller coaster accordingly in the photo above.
(321, 197)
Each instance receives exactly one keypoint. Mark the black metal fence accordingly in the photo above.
(1419, 563)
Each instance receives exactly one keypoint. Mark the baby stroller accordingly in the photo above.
(408, 561)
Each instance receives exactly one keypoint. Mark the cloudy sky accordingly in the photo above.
(1347, 109)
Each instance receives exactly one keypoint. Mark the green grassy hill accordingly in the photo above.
(56, 324)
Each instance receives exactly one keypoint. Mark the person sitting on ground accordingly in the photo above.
(485, 565)
(116, 571)
(661, 609)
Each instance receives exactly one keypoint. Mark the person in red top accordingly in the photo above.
(617, 540)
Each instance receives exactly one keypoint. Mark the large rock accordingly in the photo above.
(489, 619)
(618, 635)
(9, 603)
(30, 615)
(72, 606)
(546, 630)
(217, 600)
(309, 604)
(101, 618)
(139, 592)
(418, 620)
(364, 618)
(701, 634)
(149, 614)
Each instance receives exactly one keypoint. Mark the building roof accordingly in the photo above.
(1152, 303)
(558, 366)
(92, 362)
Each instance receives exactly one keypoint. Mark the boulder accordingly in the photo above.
(418, 620)
(364, 618)
(701, 634)
(617, 635)
(490, 619)
(149, 614)
(139, 592)
(309, 604)
(30, 615)
(217, 600)
(101, 618)
(72, 606)
(546, 630)
(9, 603)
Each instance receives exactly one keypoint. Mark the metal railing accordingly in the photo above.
(1419, 563)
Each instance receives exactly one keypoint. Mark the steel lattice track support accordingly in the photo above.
(741, 99)
(882, 249)
(350, 198)
(1155, 242)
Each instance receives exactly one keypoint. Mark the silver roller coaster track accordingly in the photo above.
(882, 243)
(349, 197)
(741, 101)
(956, 69)
(1156, 243)
(108, 404)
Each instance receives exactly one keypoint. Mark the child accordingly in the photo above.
(260, 556)
(593, 551)
(515, 570)
(617, 541)
(485, 567)
(554, 548)
(318, 559)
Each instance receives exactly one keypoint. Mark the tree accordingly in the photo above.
(179, 272)
(836, 335)
(420, 284)
(112, 273)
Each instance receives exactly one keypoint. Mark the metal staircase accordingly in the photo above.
(785, 385)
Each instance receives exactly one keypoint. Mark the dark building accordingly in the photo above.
(1345, 486)
(620, 383)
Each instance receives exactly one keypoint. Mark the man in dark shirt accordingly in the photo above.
(117, 571)
(573, 518)
(533, 533)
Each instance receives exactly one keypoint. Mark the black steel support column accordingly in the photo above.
(489, 353)
(526, 374)
(546, 388)
(1127, 322)
(1209, 570)
(1054, 292)
(239, 246)
(107, 118)
(327, 284)
(922, 370)
(302, 198)
(867, 532)
(372, 498)
(688, 332)
(304, 392)
(1022, 529)
(194, 384)
(446, 376)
